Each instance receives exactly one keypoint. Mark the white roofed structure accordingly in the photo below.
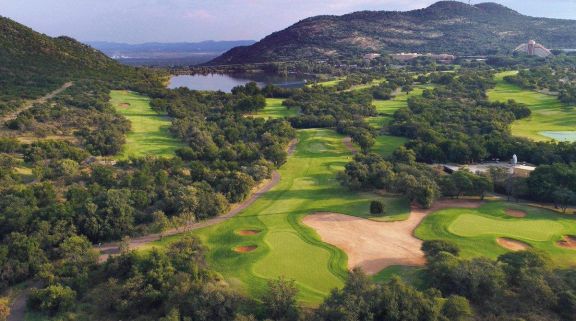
(533, 49)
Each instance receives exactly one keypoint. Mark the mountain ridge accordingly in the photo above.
(446, 26)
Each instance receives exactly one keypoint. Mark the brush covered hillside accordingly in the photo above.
(32, 64)
(447, 27)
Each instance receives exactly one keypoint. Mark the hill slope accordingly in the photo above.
(32, 64)
(447, 26)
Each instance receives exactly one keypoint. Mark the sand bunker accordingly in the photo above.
(515, 213)
(373, 245)
(248, 232)
(245, 249)
(124, 105)
(511, 244)
(568, 242)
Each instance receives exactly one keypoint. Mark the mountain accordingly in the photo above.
(444, 27)
(32, 63)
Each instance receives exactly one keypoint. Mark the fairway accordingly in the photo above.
(476, 231)
(548, 113)
(274, 109)
(149, 133)
(285, 247)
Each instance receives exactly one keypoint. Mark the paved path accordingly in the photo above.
(27, 105)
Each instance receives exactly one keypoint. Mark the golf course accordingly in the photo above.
(478, 231)
(268, 240)
(550, 119)
(149, 133)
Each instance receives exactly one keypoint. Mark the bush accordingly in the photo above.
(434, 247)
(52, 299)
(376, 208)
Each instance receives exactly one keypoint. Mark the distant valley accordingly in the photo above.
(166, 54)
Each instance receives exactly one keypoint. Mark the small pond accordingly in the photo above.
(561, 136)
(225, 82)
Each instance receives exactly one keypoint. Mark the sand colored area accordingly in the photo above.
(245, 249)
(568, 242)
(511, 244)
(515, 213)
(373, 245)
(124, 105)
(248, 232)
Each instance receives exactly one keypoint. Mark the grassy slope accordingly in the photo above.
(548, 113)
(285, 246)
(274, 109)
(150, 131)
(476, 230)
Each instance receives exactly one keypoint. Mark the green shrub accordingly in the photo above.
(376, 208)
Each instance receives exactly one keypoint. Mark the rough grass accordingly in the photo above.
(274, 109)
(149, 134)
(285, 246)
(476, 230)
(548, 113)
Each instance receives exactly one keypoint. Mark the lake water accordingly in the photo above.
(562, 136)
(225, 82)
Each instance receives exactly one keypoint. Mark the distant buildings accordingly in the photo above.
(533, 49)
(445, 58)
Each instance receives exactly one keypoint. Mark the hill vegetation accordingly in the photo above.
(447, 26)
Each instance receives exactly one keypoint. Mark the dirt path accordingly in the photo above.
(373, 245)
(27, 105)
(347, 141)
(113, 248)
(18, 304)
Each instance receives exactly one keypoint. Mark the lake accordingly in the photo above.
(225, 82)
(562, 136)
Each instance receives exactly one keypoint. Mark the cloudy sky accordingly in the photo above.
(136, 21)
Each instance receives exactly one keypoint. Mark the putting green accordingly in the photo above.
(149, 134)
(548, 113)
(274, 109)
(476, 230)
(475, 225)
(285, 247)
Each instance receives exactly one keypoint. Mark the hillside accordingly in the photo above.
(32, 64)
(447, 26)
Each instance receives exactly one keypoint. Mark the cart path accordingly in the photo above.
(113, 248)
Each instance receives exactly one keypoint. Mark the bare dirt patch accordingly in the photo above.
(373, 245)
(349, 145)
(512, 244)
(245, 249)
(124, 105)
(248, 232)
(569, 242)
(515, 213)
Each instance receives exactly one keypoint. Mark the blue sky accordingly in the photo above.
(136, 21)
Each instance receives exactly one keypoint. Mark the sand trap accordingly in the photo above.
(245, 249)
(373, 245)
(568, 242)
(515, 213)
(248, 232)
(124, 105)
(511, 244)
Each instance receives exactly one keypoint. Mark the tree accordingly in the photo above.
(4, 309)
(457, 308)
(160, 222)
(376, 207)
(280, 300)
(563, 198)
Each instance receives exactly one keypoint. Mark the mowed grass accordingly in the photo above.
(285, 247)
(149, 134)
(476, 230)
(548, 113)
(274, 109)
